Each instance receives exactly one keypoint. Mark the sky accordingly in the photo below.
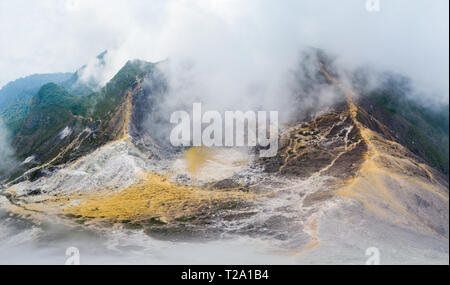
(232, 42)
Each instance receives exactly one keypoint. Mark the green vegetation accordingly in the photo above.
(54, 107)
(425, 131)
(109, 96)
(50, 111)
(15, 97)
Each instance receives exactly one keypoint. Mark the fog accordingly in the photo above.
(229, 55)
(6, 151)
(36, 246)
(229, 51)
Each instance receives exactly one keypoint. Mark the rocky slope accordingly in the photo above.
(342, 180)
(61, 127)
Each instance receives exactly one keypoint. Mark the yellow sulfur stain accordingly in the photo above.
(128, 108)
(388, 175)
(214, 163)
(196, 157)
(156, 196)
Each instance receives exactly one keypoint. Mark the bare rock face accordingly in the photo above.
(346, 164)
(330, 144)
(341, 182)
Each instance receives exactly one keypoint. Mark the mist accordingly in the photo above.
(6, 151)
(228, 55)
(228, 52)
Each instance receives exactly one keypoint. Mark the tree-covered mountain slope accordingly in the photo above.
(60, 126)
(346, 176)
(15, 97)
(424, 131)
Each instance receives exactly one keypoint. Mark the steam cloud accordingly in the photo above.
(231, 55)
(229, 48)
(6, 151)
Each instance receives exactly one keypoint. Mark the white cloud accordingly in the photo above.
(245, 39)
(7, 159)
(73, 5)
